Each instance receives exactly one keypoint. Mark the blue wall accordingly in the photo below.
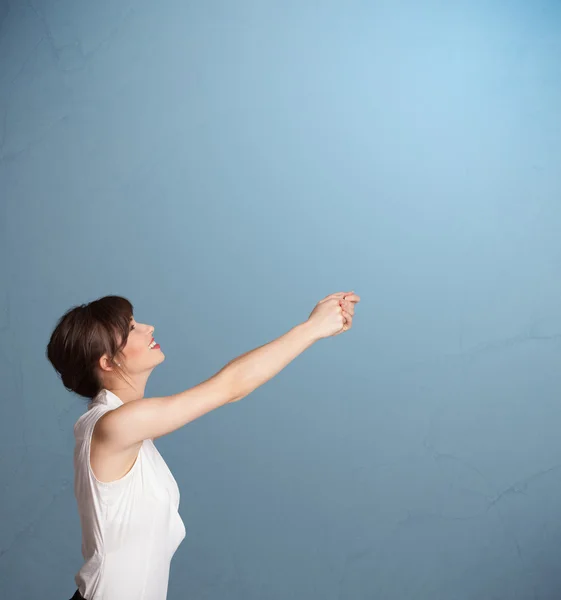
(227, 164)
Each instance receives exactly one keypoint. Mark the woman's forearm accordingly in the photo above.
(254, 368)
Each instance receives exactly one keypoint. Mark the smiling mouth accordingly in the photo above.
(153, 345)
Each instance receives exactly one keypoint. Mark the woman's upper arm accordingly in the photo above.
(147, 418)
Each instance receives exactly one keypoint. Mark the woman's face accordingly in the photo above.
(141, 352)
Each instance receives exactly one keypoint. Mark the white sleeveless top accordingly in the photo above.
(131, 527)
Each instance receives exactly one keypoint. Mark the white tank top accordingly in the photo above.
(131, 527)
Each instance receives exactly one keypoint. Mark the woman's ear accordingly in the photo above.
(107, 364)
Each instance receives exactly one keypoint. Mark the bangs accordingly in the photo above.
(112, 317)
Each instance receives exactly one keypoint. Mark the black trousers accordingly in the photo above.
(77, 596)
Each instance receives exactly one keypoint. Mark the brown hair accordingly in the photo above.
(83, 335)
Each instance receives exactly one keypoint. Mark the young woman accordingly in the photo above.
(127, 497)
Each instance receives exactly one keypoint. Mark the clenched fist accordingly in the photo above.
(334, 314)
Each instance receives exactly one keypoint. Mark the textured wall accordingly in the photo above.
(227, 164)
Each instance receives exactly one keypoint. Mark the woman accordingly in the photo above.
(127, 497)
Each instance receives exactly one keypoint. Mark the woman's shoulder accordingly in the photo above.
(85, 423)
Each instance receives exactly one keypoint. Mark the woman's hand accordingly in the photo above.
(333, 315)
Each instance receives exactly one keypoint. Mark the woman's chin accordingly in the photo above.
(156, 360)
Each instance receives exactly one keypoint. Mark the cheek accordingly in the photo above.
(135, 350)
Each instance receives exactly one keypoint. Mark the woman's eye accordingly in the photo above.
(132, 327)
